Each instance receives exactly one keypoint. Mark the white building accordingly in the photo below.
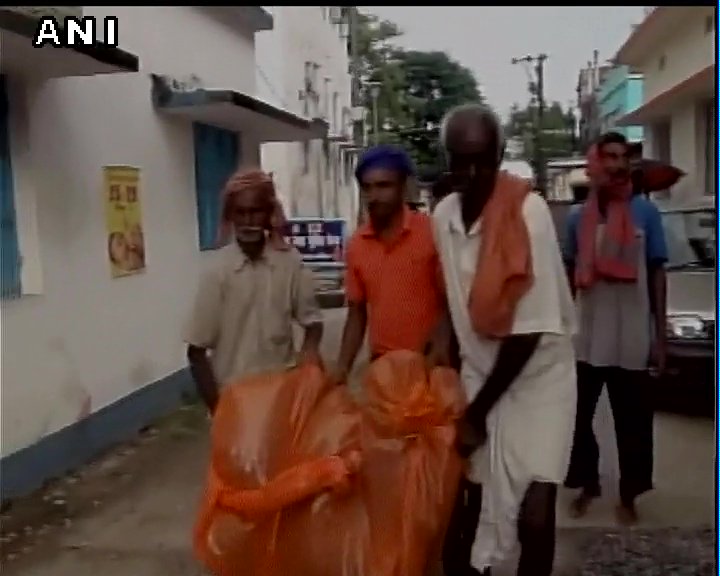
(88, 359)
(304, 66)
(674, 47)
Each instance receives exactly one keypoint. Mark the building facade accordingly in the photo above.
(304, 66)
(674, 49)
(620, 93)
(92, 347)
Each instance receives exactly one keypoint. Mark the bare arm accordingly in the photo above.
(311, 342)
(307, 313)
(441, 337)
(357, 316)
(514, 353)
(656, 254)
(443, 348)
(201, 335)
(570, 249)
(657, 292)
(353, 336)
(202, 373)
(570, 271)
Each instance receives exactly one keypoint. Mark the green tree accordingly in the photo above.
(378, 63)
(433, 84)
(557, 137)
(415, 90)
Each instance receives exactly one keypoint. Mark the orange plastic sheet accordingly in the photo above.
(305, 482)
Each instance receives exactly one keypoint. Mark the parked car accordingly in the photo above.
(690, 234)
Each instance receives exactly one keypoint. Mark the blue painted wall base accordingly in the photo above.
(28, 469)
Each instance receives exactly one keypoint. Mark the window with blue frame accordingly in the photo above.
(217, 152)
(9, 250)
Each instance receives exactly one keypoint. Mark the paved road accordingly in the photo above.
(132, 512)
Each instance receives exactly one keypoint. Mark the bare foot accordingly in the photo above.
(626, 514)
(581, 504)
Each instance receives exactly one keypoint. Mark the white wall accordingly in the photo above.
(83, 335)
(685, 150)
(687, 51)
(687, 146)
(300, 34)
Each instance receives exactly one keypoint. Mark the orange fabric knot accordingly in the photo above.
(291, 486)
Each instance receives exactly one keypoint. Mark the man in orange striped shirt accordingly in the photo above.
(393, 281)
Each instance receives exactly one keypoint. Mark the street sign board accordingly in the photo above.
(321, 241)
(318, 239)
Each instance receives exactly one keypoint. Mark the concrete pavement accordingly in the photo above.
(132, 512)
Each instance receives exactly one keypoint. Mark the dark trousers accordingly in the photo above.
(630, 401)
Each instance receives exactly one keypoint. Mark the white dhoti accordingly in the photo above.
(530, 432)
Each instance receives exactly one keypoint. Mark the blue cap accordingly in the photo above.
(385, 156)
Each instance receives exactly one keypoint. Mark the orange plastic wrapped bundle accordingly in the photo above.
(304, 482)
(410, 468)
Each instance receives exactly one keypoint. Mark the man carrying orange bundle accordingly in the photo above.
(254, 290)
(513, 314)
(393, 281)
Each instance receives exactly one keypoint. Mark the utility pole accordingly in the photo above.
(572, 127)
(537, 93)
(375, 94)
(355, 69)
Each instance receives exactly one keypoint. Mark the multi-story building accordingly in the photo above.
(620, 93)
(92, 337)
(674, 49)
(304, 66)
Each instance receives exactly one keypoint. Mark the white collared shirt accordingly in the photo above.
(547, 307)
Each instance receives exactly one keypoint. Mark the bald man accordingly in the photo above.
(517, 431)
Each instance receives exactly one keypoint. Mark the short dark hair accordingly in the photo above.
(612, 138)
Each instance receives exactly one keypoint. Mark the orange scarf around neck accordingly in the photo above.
(615, 256)
(504, 272)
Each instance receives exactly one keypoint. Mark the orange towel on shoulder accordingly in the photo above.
(504, 271)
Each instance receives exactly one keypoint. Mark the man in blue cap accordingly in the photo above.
(393, 281)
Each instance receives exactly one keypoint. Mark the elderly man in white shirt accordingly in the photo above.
(517, 431)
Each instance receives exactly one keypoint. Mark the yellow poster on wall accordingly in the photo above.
(123, 213)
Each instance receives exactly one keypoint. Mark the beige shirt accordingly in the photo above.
(244, 311)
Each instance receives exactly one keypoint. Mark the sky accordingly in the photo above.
(486, 38)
